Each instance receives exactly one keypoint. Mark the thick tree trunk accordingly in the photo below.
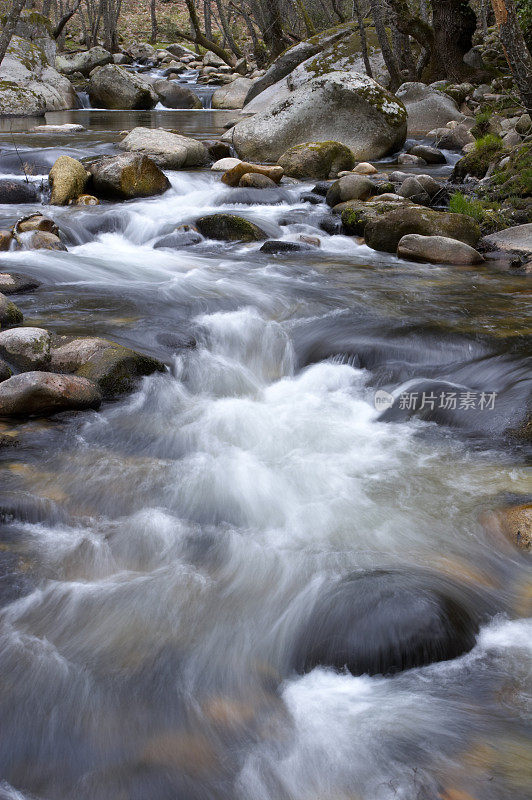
(515, 49)
(363, 39)
(9, 26)
(454, 24)
(65, 19)
(389, 58)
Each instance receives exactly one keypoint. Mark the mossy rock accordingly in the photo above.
(230, 228)
(515, 178)
(478, 161)
(10, 314)
(385, 232)
(320, 160)
(358, 213)
(111, 366)
(68, 178)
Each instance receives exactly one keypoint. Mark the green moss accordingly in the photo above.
(115, 368)
(230, 228)
(477, 162)
(482, 124)
(460, 204)
(490, 218)
(317, 160)
(514, 179)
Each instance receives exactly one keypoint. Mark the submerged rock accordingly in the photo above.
(350, 187)
(383, 622)
(112, 367)
(14, 283)
(252, 180)
(67, 179)
(40, 240)
(127, 176)
(10, 314)
(26, 348)
(385, 232)
(185, 236)
(279, 246)
(44, 393)
(341, 106)
(515, 522)
(437, 250)
(168, 150)
(230, 228)
(15, 191)
(6, 240)
(317, 160)
(114, 87)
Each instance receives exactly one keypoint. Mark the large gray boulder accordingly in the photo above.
(127, 176)
(427, 108)
(437, 250)
(114, 87)
(232, 95)
(29, 85)
(294, 56)
(44, 393)
(26, 348)
(517, 239)
(341, 106)
(85, 62)
(168, 150)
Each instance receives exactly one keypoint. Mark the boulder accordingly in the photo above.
(5, 373)
(85, 62)
(216, 149)
(350, 187)
(316, 160)
(523, 126)
(114, 87)
(127, 176)
(385, 621)
(232, 176)
(15, 191)
(279, 246)
(185, 236)
(515, 522)
(35, 222)
(253, 180)
(172, 95)
(87, 200)
(6, 240)
(225, 164)
(26, 348)
(232, 95)
(14, 283)
(179, 50)
(210, 59)
(385, 232)
(67, 180)
(453, 138)
(415, 161)
(429, 154)
(427, 108)
(10, 314)
(29, 85)
(43, 394)
(356, 214)
(517, 239)
(112, 367)
(293, 56)
(168, 150)
(413, 189)
(142, 52)
(230, 228)
(340, 106)
(437, 250)
(67, 128)
(364, 168)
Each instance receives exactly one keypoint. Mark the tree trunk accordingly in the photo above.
(389, 58)
(207, 16)
(363, 39)
(199, 38)
(153, 20)
(9, 26)
(454, 24)
(227, 30)
(515, 49)
(65, 19)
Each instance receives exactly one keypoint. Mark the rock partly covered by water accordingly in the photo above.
(172, 95)
(26, 348)
(427, 107)
(437, 250)
(127, 176)
(230, 228)
(84, 62)
(385, 232)
(114, 87)
(319, 160)
(29, 84)
(384, 622)
(15, 283)
(112, 367)
(233, 95)
(67, 178)
(168, 150)
(350, 187)
(44, 393)
(234, 174)
(341, 106)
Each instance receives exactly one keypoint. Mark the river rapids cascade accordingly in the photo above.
(193, 551)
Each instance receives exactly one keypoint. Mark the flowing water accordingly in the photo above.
(166, 551)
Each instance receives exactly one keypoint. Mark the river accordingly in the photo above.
(175, 541)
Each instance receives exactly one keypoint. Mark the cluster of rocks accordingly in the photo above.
(42, 373)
